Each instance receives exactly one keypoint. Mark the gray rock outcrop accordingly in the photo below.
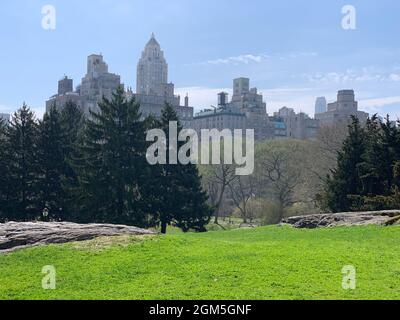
(17, 235)
(345, 219)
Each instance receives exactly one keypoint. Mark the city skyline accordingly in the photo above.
(292, 64)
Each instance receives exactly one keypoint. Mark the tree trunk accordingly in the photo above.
(221, 196)
(281, 212)
(163, 227)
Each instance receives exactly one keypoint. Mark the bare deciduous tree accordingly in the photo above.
(217, 180)
(330, 141)
(242, 191)
(281, 175)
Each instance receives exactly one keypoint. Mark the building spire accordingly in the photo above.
(153, 41)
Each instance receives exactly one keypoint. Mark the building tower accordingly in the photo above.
(65, 85)
(346, 101)
(340, 112)
(241, 86)
(320, 105)
(152, 71)
(98, 82)
(222, 99)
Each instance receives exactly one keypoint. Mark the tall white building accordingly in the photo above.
(152, 71)
(153, 89)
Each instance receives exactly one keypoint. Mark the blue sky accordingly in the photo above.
(292, 50)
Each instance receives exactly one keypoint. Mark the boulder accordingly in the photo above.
(17, 235)
(344, 219)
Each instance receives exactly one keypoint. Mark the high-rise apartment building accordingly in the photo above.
(153, 90)
(292, 125)
(96, 84)
(342, 110)
(152, 71)
(245, 111)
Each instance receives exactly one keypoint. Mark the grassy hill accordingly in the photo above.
(264, 263)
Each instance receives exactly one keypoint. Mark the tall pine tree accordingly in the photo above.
(181, 199)
(22, 157)
(367, 177)
(111, 163)
(345, 179)
(374, 163)
(72, 124)
(4, 169)
(52, 165)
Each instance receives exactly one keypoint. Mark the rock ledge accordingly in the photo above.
(345, 219)
(19, 235)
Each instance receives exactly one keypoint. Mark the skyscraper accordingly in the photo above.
(152, 71)
(153, 90)
(320, 105)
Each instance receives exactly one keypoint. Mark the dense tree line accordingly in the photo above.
(282, 184)
(367, 176)
(69, 168)
(352, 167)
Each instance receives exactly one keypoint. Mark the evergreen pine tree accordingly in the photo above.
(111, 163)
(21, 154)
(4, 188)
(51, 157)
(396, 151)
(345, 181)
(181, 198)
(389, 156)
(373, 171)
(72, 123)
(378, 169)
(195, 212)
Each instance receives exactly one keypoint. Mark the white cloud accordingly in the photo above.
(377, 104)
(297, 55)
(241, 59)
(395, 77)
(366, 74)
(256, 58)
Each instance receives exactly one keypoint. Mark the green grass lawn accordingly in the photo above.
(264, 263)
